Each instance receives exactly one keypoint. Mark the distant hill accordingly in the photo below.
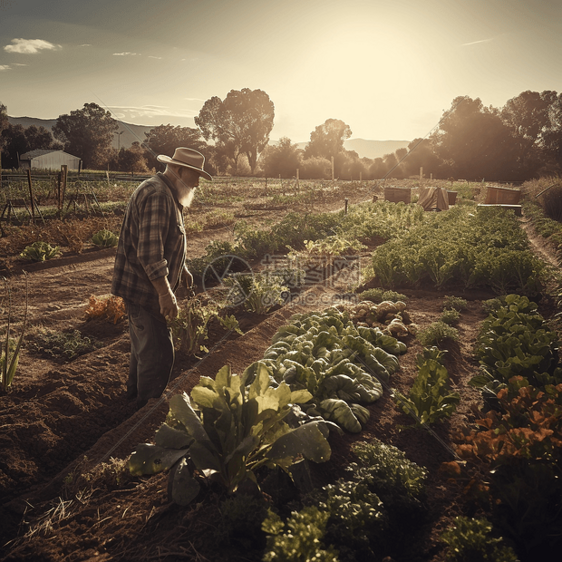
(130, 133)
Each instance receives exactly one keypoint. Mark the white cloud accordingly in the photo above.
(85, 45)
(136, 113)
(152, 57)
(30, 46)
(477, 42)
(5, 67)
(125, 54)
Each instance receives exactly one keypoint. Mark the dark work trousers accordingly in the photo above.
(152, 355)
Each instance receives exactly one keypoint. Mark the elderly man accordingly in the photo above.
(150, 265)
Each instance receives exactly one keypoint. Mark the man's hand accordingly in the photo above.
(168, 305)
(166, 298)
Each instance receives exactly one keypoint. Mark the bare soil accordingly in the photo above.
(64, 420)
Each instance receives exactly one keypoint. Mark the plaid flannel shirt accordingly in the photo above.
(152, 244)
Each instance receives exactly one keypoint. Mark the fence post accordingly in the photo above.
(332, 168)
(64, 172)
(31, 200)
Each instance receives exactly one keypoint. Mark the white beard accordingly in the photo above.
(185, 196)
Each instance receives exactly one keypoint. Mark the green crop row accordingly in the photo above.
(462, 248)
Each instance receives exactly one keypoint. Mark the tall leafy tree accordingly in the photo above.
(552, 137)
(18, 140)
(476, 143)
(327, 139)
(14, 144)
(164, 139)
(87, 133)
(130, 159)
(281, 160)
(3, 121)
(528, 116)
(240, 124)
(40, 138)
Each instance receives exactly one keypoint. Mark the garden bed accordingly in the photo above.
(67, 424)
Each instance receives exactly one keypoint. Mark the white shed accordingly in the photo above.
(48, 160)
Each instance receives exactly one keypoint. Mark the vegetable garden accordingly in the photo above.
(368, 383)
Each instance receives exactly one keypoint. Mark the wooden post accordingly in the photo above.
(31, 200)
(298, 187)
(332, 168)
(64, 172)
(345, 208)
(360, 177)
(421, 174)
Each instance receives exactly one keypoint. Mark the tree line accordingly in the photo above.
(519, 141)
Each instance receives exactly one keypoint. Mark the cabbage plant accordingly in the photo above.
(230, 427)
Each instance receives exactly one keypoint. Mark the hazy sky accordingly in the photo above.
(388, 68)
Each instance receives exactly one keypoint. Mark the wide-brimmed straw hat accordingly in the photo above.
(188, 158)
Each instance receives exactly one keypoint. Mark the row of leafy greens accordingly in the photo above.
(341, 365)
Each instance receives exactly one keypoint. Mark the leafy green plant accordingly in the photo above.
(378, 295)
(259, 293)
(387, 468)
(190, 328)
(299, 539)
(330, 246)
(515, 340)
(40, 251)
(232, 426)
(10, 351)
(471, 540)
(436, 333)
(450, 316)
(63, 345)
(340, 364)
(429, 399)
(105, 239)
(456, 303)
(384, 491)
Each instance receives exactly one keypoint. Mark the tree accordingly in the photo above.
(129, 159)
(164, 139)
(476, 143)
(281, 160)
(552, 136)
(40, 138)
(87, 133)
(3, 121)
(239, 124)
(528, 116)
(14, 145)
(327, 139)
(18, 140)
